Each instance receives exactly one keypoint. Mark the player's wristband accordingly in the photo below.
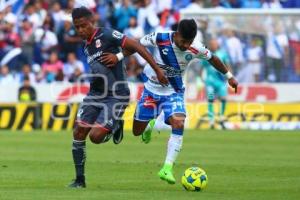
(120, 56)
(228, 75)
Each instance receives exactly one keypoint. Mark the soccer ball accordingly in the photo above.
(194, 179)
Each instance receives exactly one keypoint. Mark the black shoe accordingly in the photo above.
(118, 134)
(223, 125)
(77, 184)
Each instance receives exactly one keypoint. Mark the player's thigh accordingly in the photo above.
(112, 111)
(174, 109)
(86, 116)
(87, 113)
(147, 108)
(222, 90)
(210, 91)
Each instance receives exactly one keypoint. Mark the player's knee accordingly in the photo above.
(97, 136)
(223, 100)
(178, 124)
(80, 133)
(96, 139)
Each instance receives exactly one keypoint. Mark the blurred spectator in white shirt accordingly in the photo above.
(5, 76)
(273, 4)
(33, 16)
(134, 31)
(251, 71)
(233, 46)
(147, 17)
(195, 5)
(42, 12)
(58, 16)
(162, 5)
(91, 4)
(277, 52)
(46, 40)
(26, 72)
(72, 67)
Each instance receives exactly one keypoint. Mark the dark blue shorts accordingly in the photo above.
(104, 113)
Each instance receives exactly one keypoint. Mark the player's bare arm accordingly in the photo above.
(221, 67)
(131, 46)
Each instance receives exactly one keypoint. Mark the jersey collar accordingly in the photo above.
(89, 41)
(172, 37)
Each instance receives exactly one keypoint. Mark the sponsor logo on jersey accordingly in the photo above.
(94, 56)
(165, 51)
(98, 43)
(171, 71)
(117, 35)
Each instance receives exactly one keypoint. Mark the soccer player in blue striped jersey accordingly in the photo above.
(173, 53)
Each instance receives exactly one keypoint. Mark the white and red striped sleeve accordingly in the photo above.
(201, 51)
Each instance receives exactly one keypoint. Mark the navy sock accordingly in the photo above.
(79, 156)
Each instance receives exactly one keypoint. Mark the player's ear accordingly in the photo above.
(175, 35)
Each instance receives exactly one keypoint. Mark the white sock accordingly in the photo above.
(174, 147)
(160, 123)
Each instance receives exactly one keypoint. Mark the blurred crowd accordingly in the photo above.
(38, 41)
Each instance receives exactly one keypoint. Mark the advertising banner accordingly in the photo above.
(61, 116)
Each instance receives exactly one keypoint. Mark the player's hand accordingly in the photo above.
(233, 83)
(109, 59)
(161, 77)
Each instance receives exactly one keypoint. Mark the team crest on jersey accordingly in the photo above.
(98, 43)
(117, 35)
(188, 57)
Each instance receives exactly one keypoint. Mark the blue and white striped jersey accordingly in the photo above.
(172, 60)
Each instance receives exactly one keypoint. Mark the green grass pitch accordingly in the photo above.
(240, 165)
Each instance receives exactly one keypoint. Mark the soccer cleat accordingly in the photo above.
(166, 174)
(77, 183)
(146, 135)
(223, 125)
(118, 134)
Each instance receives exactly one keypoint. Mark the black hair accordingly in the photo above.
(187, 28)
(81, 12)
